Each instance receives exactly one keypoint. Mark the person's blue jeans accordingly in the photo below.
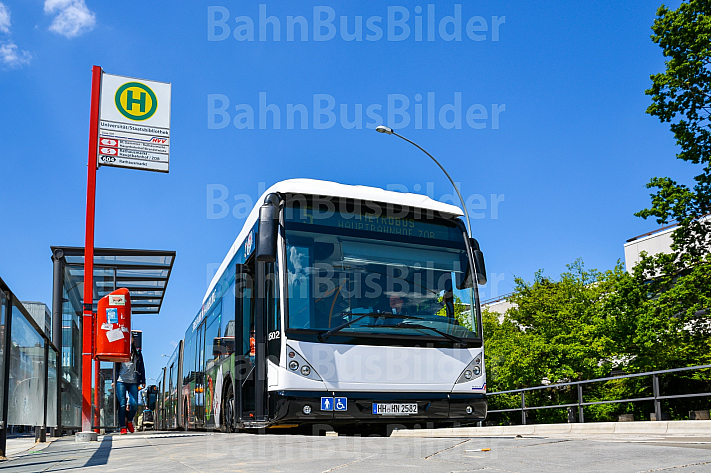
(121, 390)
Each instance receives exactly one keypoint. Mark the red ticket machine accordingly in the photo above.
(113, 327)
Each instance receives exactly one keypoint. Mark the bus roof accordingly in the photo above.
(332, 189)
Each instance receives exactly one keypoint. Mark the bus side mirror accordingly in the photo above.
(268, 228)
(478, 261)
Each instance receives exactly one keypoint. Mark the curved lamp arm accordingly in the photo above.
(389, 131)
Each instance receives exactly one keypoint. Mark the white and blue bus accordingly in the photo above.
(348, 306)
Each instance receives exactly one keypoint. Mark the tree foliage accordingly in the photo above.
(554, 331)
(586, 323)
(681, 96)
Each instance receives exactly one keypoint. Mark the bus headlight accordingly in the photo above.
(306, 409)
(473, 370)
(299, 365)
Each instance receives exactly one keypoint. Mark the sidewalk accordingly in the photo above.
(133, 452)
(17, 446)
(177, 452)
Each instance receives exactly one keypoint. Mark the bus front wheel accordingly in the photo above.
(228, 409)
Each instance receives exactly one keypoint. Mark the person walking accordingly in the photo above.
(130, 375)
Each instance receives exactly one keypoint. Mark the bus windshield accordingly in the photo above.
(364, 275)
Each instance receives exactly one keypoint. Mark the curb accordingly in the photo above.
(679, 428)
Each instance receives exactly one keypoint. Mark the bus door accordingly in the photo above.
(244, 344)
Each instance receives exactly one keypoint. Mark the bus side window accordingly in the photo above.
(299, 281)
(244, 315)
(213, 347)
(227, 329)
(200, 348)
(189, 359)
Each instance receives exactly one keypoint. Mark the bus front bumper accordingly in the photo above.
(440, 408)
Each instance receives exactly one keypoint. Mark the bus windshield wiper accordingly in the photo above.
(387, 315)
(424, 327)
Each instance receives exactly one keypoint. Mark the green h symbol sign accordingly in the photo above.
(141, 100)
(136, 93)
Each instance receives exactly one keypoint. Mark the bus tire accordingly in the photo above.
(228, 408)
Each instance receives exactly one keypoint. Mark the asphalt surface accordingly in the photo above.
(189, 452)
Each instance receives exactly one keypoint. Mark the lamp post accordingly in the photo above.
(389, 131)
(478, 255)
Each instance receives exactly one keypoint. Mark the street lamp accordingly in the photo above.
(389, 131)
(478, 255)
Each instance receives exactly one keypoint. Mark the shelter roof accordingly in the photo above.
(145, 273)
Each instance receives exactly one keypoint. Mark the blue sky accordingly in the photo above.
(566, 162)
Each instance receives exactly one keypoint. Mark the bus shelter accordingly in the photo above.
(28, 372)
(145, 273)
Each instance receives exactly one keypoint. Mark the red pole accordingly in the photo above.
(88, 317)
(98, 390)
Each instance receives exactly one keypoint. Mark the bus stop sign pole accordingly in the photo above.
(88, 318)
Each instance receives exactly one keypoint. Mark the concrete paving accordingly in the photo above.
(16, 446)
(205, 451)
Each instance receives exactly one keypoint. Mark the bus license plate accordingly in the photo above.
(395, 409)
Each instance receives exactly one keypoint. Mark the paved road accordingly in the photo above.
(189, 452)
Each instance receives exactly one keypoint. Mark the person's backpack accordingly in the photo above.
(147, 416)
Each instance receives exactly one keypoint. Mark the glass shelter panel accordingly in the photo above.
(70, 372)
(107, 398)
(52, 373)
(27, 376)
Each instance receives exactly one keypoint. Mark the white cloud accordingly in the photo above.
(4, 19)
(11, 56)
(50, 6)
(73, 17)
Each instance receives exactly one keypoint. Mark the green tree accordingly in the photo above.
(663, 309)
(555, 330)
(663, 323)
(587, 322)
(681, 96)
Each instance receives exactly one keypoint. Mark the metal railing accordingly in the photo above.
(29, 362)
(657, 397)
(502, 297)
